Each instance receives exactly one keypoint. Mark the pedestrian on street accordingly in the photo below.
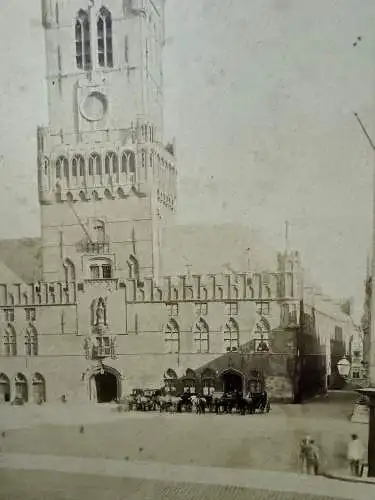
(355, 455)
(309, 456)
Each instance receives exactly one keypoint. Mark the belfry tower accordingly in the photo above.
(107, 183)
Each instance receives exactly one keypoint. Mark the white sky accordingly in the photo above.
(260, 95)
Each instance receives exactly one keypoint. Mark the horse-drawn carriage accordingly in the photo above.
(249, 403)
(218, 402)
(143, 399)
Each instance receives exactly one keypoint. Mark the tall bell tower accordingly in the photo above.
(107, 182)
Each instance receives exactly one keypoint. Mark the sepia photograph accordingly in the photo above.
(187, 249)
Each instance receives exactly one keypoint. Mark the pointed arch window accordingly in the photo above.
(201, 336)
(104, 29)
(231, 336)
(128, 164)
(4, 388)
(78, 166)
(62, 167)
(132, 168)
(31, 341)
(111, 163)
(95, 164)
(10, 341)
(39, 388)
(70, 271)
(262, 331)
(172, 337)
(21, 387)
(83, 44)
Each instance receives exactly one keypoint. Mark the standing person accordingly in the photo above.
(355, 454)
(313, 458)
(309, 456)
(303, 453)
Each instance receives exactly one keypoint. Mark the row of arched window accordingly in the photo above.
(10, 341)
(103, 37)
(201, 336)
(18, 388)
(77, 166)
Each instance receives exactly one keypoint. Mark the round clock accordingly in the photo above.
(94, 106)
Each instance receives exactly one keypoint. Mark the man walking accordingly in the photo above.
(309, 456)
(355, 454)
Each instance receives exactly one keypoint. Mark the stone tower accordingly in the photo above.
(107, 183)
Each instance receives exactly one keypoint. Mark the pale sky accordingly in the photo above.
(260, 96)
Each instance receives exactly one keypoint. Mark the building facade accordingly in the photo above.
(103, 319)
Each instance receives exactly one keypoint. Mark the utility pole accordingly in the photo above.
(370, 391)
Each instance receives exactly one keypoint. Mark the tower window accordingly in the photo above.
(83, 44)
(95, 164)
(78, 166)
(62, 167)
(111, 163)
(104, 29)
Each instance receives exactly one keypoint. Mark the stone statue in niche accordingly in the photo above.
(100, 314)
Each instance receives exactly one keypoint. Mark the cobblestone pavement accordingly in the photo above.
(56, 486)
(44, 477)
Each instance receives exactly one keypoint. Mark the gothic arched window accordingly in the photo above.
(78, 166)
(131, 165)
(104, 28)
(10, 341)
(201, 340)
(83, 44)
(95, 164)
(31, 341)
(172, 337)
(231, 336)
(62, 167)
(70, 271)
(262, 331)
(111, 163)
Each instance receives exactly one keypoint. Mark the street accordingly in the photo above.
(91, 451)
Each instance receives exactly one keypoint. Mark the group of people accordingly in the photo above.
(310, 456)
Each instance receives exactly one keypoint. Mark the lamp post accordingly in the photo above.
(344, 366)
(370, 391)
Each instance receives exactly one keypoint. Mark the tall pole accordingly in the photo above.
(370, 391)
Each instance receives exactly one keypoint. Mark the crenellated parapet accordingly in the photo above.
(213, 287)
(37, 294)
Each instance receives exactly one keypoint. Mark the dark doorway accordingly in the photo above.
(106, 387)
(232, 381)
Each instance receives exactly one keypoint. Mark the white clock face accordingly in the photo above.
(94, 106)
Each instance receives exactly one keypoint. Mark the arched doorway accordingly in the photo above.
(105, 385)
(39, 388)
(21, 389)
(4, 388)
(232, 381)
